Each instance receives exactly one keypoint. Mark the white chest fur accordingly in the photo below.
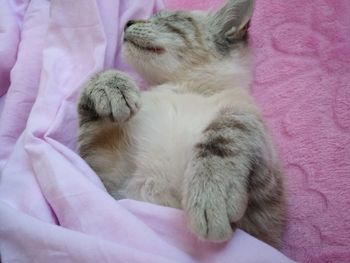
(163, 134)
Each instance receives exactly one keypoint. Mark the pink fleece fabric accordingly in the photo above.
(53, 207)
(302, 84)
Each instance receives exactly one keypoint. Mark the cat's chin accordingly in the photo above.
(144, 48)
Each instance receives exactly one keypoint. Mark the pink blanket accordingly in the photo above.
(302, 83)
(53, 208)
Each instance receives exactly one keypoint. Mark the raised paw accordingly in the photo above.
(111, 94)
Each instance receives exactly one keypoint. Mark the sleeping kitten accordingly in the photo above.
(194, 141)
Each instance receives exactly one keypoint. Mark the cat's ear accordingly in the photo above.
(230, 23)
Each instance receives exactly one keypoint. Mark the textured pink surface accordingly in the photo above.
(302, 83)
(53, 208)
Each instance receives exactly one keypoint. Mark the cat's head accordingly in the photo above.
(171, 43)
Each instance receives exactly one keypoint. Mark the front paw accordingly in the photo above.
(212, 208)
(208, 220)
(111, 94)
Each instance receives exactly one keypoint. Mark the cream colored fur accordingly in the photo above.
(195, 139)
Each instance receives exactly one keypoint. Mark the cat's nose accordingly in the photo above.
(129, 23)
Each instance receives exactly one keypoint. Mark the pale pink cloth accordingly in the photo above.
(11, 16)
(53, 208)
(302, 84)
